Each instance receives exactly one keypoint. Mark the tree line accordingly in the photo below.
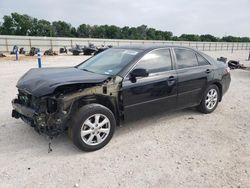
(23, 24)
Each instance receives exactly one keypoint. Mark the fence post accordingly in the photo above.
(51, 44)
(6, 43)
(30, 42)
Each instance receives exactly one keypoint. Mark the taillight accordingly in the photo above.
(228, 70)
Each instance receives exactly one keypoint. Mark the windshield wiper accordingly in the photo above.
(87, 70)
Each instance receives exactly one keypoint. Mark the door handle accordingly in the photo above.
(208, 71)
(171, 78)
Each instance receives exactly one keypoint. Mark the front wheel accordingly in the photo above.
(210, 100)
(93, 127)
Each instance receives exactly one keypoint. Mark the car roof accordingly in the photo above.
(147, 47)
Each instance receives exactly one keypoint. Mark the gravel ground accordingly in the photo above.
(178, 149)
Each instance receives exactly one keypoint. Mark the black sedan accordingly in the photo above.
(92, 98)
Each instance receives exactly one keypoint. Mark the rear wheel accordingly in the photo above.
(210, 100)
(93, 127)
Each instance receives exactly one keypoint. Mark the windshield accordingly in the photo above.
(109, 62)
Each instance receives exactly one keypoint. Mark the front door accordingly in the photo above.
(154, 93)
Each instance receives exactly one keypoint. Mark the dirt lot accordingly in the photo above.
(178, 149)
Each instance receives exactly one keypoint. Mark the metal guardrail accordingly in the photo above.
(8, 41)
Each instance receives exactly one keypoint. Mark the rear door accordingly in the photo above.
(193, 73)
(157, 92)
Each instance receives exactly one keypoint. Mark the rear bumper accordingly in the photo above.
(226, 80)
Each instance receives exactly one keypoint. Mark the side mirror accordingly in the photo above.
(139, 73)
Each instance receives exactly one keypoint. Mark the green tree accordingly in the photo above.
(73, 32)
(208, 38)
(61, 29)
(84, 31)
(159, 35)
(174, 38)
(190, 37)
(167, 35)
(100, 31)
(7, 27)
(151, 34)
(113, 32)
(133, 33)
(244, 39)
(21, 23)
(125, 32)
(41, 28)
(142, 32)
(235, 39)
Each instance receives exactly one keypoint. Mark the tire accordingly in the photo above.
(212, 95)
(87, 131)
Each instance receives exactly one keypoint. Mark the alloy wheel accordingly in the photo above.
(95, 129)
(211, 99)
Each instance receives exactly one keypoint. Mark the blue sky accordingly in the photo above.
(216, 17)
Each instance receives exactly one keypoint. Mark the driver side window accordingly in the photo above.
(156, 61)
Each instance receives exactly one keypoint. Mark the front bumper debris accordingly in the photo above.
(19, 109)
(49, 124)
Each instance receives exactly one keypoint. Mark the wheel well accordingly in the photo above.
(220, 89)
(103, 100)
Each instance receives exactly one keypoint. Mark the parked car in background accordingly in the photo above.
(92, 98)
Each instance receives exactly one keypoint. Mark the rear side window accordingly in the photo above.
(201, 60)
(185, 58)
(156, 61)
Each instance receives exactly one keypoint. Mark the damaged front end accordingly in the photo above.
(51, 114)
(42, 113)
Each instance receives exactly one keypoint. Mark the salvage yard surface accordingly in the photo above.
(178, 149)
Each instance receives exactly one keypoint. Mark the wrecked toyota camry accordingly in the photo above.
(92, 98)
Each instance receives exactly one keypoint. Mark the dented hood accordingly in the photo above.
(44, 81)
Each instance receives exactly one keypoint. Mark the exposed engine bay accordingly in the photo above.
(51, 114)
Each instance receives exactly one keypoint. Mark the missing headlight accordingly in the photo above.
(51, 105)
